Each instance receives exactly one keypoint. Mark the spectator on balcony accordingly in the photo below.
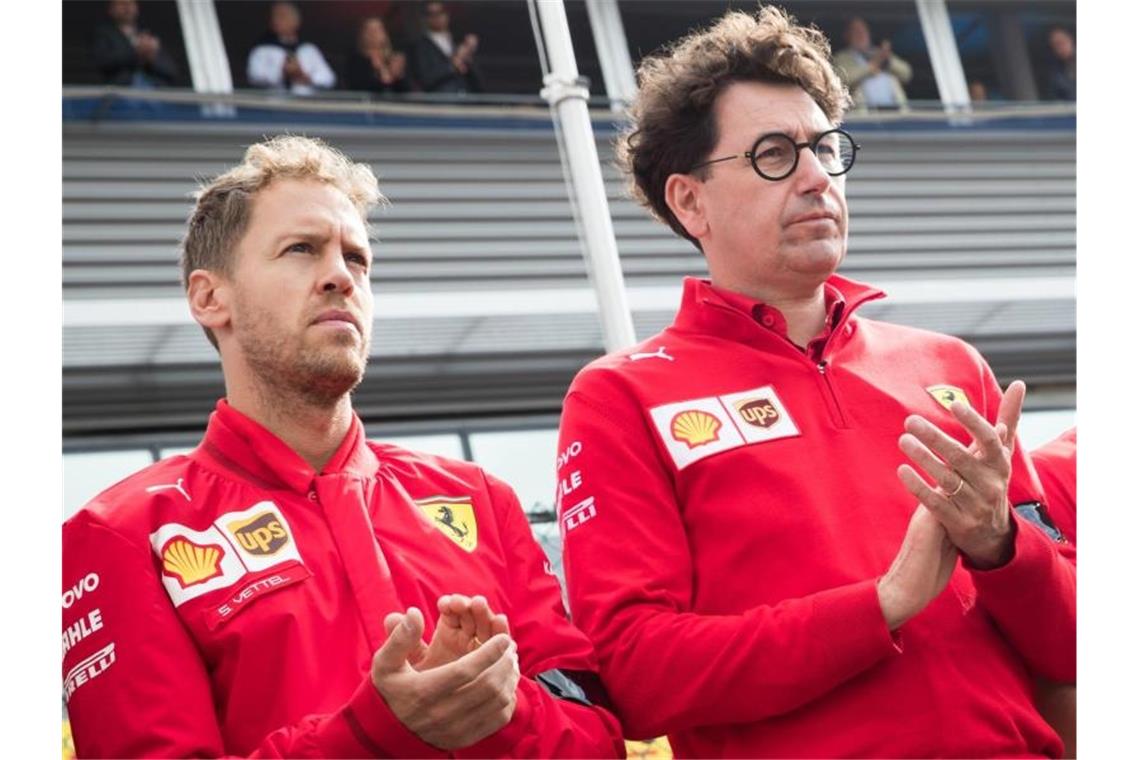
(126, 54)
(374, 65)
(875, 75)
(439, 63)
(282, 60)
(1063, 77)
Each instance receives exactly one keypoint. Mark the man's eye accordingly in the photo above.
(300, 247)
(358, 258)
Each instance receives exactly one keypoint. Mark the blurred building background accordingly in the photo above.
(966, 216)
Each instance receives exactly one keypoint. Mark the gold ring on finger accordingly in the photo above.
(961, 483)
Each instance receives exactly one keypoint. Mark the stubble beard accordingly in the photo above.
(291, 372)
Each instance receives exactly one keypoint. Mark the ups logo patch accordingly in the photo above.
(263, 534)
(760, 412)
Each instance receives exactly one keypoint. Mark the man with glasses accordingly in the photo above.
(789, 530)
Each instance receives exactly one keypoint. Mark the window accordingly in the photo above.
(86, 474)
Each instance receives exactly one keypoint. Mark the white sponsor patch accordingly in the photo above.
(261, 535)
(698, 428)
(194, 562)
(579, 513)
(573, 450)
(760, 415)
(87, 669)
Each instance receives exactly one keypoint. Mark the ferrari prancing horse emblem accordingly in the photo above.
(454, 517)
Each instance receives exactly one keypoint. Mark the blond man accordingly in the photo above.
(290, 588)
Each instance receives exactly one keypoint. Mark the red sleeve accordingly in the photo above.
(1056, 466)
(137, 687)
(543, 725)
(629, 575)
(1033, 597)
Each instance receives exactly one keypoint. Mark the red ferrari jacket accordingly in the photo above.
(728, 503)
(1056, 465)
(230, 601)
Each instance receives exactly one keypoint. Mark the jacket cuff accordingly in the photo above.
(850, 619)
(1032, 560)
(502, 742)
(374, 726)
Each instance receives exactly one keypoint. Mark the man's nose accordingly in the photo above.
(335, 274)
(810, 176)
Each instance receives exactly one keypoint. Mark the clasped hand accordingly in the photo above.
(458, 689)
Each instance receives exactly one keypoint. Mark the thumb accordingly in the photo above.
(405, 634)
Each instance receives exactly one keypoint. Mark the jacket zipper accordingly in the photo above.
(831, 398)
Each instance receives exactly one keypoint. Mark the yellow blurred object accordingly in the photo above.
(68, 744)
(651, 750)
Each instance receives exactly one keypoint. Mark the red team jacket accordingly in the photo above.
(230, 601)
(1056, 465)
(728, 503)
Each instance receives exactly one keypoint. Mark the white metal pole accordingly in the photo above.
(613, 52)
(944, 57)
(567, 98)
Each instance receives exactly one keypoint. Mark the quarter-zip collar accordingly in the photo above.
(704, 310)
(234, 439)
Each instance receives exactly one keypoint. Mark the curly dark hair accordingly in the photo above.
(673, 126)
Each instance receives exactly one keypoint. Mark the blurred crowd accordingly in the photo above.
(438, 61)
(126, 53)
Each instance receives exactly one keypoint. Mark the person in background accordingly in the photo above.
(439, 63)
(874, 75)
(1063, 76)
(282, 60)
(978, 92)
(126, 54)
(374, 65)
(831, 557)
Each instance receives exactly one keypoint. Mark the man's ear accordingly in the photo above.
(208, 294)
(683, 196)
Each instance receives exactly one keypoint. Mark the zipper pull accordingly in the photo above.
(822, 367)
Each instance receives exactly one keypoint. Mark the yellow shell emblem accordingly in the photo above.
(190, 563)
(948, 394)
(695, 428)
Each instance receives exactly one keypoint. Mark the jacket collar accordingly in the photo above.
(236, 442)
(705, 311)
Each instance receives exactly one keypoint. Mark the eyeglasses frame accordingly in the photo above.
(751, 155)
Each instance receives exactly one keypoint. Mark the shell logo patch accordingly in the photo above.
(948, 394)
(760, 412)
(454, 517)
(190, 563)
(697, 428)
(694, 427)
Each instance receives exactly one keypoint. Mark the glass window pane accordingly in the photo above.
(443, 444)
(1037, 428)
(86, 474)
(523, 458)
(174, 451)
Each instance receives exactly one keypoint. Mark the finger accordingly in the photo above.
(391, 620)
(1009, 411)
(940, 506)
(403, 641)
(481, 612)
(986, 438)
(949, 450)
(933, 467)
(495, 682)
(500, 624)
(447, 678)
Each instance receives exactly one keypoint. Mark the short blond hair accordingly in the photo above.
(673, 125)
(222, 205)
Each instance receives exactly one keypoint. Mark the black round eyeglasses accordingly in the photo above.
(774, 156)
